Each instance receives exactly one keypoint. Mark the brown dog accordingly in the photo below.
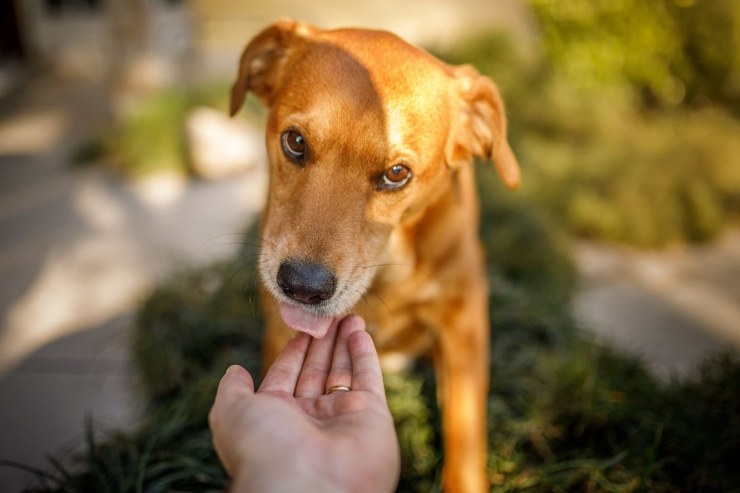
(372, 207)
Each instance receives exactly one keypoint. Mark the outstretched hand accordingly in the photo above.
(303, 430)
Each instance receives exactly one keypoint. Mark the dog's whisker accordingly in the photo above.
(220, 237)
(230, 277)
(389, 264)
(240, 263)
(385, 305)
(262, 240)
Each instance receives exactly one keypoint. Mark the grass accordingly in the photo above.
(566, 414)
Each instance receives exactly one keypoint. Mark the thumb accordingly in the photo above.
(236, 384)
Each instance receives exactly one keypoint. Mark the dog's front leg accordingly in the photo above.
(462, 372)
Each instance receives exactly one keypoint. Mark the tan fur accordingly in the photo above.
(408, 260)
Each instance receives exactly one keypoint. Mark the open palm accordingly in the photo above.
(292, 435)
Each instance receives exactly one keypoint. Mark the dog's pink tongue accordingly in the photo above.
(301, 320)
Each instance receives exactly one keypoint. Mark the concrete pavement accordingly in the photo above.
(672, 308)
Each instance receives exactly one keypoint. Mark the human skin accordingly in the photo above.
(290, 435)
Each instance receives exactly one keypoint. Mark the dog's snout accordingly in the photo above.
(306, 282)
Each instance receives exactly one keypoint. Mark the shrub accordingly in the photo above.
(150, 138)
(672, 51)
(594, 155)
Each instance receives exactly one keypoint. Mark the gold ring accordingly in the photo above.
(343, 388)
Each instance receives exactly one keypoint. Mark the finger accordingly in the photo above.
(312, 381)
(284, 372)
(366, 373)
(341, 366)
(236, 384)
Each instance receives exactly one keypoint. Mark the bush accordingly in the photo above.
(599, 158)
(150, 138)
(648, 180)
(671, 51)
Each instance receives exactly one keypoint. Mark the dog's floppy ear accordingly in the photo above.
(480, 129)
(263, 60)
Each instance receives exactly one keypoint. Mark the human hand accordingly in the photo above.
(291, 435)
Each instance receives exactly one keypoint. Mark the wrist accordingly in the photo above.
(281, 479)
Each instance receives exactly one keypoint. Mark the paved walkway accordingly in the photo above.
(673, 309)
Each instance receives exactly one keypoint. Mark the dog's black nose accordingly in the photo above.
(306, 282)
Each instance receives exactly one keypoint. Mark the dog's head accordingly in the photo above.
(364, 133)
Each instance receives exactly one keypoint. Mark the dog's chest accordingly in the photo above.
(395, 315)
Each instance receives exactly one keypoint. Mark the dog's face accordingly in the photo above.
(364, 132)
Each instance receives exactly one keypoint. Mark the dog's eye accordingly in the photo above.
(394, 177)
(294, 146)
